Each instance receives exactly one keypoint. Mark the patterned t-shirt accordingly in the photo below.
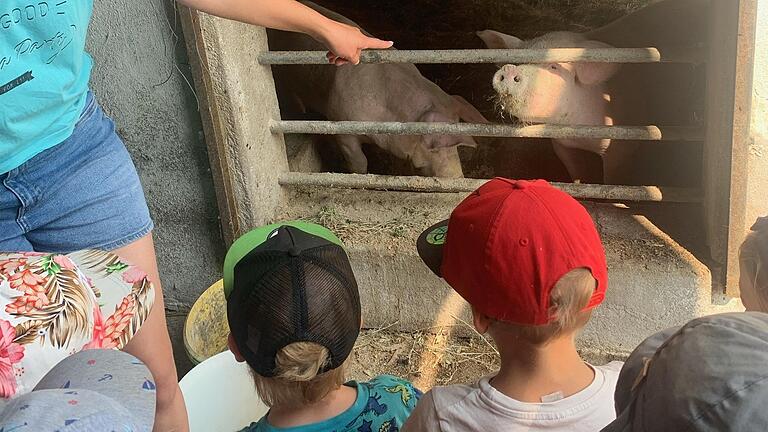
(382, 405)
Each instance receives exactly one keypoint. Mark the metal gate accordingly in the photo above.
(728, 58)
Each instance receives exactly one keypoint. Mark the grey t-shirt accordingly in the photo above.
(480, 407)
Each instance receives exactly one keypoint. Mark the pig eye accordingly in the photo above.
(553, 67)
(517, 79)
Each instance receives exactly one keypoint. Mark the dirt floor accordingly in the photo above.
(429, 358)
(424, 358)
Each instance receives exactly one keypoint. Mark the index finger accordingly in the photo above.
(373, 43)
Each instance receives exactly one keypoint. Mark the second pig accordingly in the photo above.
(376, 92)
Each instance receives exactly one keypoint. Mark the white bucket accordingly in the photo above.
(221, 396)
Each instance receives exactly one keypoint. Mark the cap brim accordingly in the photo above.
(430, 246)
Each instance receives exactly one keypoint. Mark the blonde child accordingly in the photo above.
(753, 262)
(294, 315)
(529, 261)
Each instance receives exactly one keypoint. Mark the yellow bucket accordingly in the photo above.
(206, 327)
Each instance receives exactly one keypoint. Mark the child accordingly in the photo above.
(528, 259)
(294, 315)
(711, 375)
(753, 261)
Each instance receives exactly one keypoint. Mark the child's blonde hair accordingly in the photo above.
(297, 379)
(567, 302)
(753, 261)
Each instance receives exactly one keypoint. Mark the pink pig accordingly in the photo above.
(557, 93)
(376, 92)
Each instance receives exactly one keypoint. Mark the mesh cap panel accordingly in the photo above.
(333, 310)
(294, 295)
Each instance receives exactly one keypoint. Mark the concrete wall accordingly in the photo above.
(138, 83)
(757, 201)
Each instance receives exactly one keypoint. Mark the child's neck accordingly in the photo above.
(530, 372)
(333, 404)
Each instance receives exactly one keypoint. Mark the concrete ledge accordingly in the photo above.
(654, 282)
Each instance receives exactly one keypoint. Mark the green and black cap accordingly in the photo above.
(290, 282)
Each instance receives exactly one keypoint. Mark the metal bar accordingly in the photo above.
(640, 133)
(464, 185)
(516, 56)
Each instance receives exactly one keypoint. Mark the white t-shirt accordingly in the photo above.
(480, 407)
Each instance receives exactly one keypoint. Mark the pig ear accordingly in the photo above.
(467, 111)
(435, 117)
(497, 40)
(436, 142)
(594, 73)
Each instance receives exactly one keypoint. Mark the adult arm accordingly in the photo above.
(345, 42)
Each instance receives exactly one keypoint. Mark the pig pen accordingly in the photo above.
(670, 246)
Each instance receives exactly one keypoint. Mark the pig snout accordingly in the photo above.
(506, 76)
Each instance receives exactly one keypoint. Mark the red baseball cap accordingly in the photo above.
(508, 243)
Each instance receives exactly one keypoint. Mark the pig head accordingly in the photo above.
(376, 92)
(397, 95)
(556, 93)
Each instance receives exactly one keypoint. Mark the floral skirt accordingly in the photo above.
(53, 306)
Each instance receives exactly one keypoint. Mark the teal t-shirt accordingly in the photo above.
(382, 405)
(44, 73)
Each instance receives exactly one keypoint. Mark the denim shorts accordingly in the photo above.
(84, 193)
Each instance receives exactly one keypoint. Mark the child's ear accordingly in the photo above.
(233, 347)
(481, 321)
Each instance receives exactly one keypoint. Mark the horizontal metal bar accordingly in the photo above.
(516, 56)
(464, 185)
(639, 133)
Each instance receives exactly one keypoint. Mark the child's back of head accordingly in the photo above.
(294, 315)
(522, 253)
(753, 258)
(299, 378)
(710, 375)
(567, 308)
(528, 259)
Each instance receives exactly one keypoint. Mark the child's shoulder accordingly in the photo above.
(449, 395)
(386, 403)
(388, 380)
(259, 426)
(390, 387)
(611, 371)
(612, 367)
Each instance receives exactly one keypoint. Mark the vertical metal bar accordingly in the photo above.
(729, 77)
